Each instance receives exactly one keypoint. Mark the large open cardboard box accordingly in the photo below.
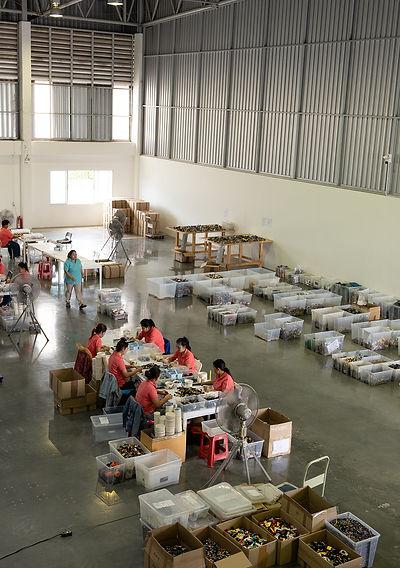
(276, 431)
(155, 555)
(308, 508)
(67, 383)
(308, 558)
(237, 558)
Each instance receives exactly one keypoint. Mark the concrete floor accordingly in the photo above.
(48, 468)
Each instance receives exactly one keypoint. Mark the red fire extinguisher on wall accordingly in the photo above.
(19, 222)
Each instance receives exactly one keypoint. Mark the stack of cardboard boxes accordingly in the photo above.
(137, 213)
(71, 394)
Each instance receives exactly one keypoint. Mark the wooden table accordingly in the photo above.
(195, 247)
(225, 257)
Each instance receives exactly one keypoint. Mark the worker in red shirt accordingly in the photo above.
(183, 354)
(117, 367)
(151, 334)
(2, 269)
(7, 240)
(94, 343)
(223, 381)
(147, 394)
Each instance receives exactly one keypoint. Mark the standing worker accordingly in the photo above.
(7, 240)
(73, 275)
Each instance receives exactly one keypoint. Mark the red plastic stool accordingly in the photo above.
(45, 269)
(216, 449)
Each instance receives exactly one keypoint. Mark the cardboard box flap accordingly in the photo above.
(309, 500)
(239, 560)
(272, 417)
(174, 534)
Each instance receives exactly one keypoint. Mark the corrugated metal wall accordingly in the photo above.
(307, 89)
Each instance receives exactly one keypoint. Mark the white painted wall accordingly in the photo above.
(46, 156)
(329, 231)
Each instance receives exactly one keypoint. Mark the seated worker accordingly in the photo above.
(23, 277)
(6, 239)
(151, 334)
(94, 343)
(223, 381)
(116, 366)
(147, 394)
(183, 354)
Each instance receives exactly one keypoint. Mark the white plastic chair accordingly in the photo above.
(198, 365)
(318, 479)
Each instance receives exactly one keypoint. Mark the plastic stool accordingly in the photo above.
(216, 449)
(45, 269)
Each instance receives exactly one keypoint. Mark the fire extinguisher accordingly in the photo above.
(19, 222)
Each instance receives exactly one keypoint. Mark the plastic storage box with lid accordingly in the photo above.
(252, 493)
(366, 547)
(268, 331)
(161, 508)
(129, 462)
(246, 315)
(109, 295)
(291, 328)
(253, 448)
(375, 375)
(158, 469)
(225, 501)
(194, 504)
(161, 288)
(324, 342)
(107, 427)
(376, 337)
(111, 475)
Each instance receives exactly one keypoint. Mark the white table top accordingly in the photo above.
(61, 255)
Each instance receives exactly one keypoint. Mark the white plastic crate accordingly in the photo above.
(365, 548)
(109, 295)
(324, 342)
(161, 508)
(185, 288)
(158, 469)
(129, 462)
(211, 428)
(110, 475)
(193, 503)
(254, 447)
(161, 288)
(376, 337)
(396, 372)
(108, 427)
(241, 297)
(375, 374)
(291, 328)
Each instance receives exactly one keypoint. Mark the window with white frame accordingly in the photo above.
(80, 112)
(80, 187)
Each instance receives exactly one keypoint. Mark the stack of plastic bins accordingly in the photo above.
(158, 469)
(212, 311)
(161, 288)
(161, 508)
(110, 475)
(185, 287)
(342, 360)
(375, 375)
(366, 548)
(345, 291)
(268, 331)
(246, 315)
(241, 297)
(128, 462)
(291, 328)
(225, 501)
(325, 342)
(254, 448)
(376, 337)
(355, 367)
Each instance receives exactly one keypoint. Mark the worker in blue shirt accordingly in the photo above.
(73, 274)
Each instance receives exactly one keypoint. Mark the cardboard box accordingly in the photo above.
(276, 431)
(176, 443)
(374, 311)
(80, 402)
(262, 556)
(180, 257)
(155, 555)
(237, 558)
(67, 383)
(286, 550)
(308, 508)
(308, 558)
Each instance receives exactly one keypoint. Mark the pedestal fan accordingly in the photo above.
(116, 234)
(236, 412)
(26, 289)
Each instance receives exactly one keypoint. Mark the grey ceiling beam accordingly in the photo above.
(191, 12)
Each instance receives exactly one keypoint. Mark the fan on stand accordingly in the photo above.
(116, 234)
(26, 289)
(7, 214)
(237, 412)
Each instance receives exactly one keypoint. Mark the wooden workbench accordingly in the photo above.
(225, 257)
(186, 251)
